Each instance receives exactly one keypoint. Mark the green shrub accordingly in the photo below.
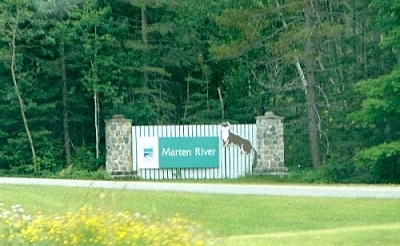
(380, 164)
(84, 159)
(73, 173)
(337, 173)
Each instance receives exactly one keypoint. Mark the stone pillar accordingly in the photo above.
(119, 146)
(270, 144)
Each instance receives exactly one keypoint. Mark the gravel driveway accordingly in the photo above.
(349, 191)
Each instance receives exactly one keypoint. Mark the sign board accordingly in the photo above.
(178, 152)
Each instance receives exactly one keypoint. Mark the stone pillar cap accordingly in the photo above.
(118, 116)
(269, 115)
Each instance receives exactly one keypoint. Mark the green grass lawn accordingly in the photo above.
(235, 219)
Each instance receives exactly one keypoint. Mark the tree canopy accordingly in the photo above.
(329, 68)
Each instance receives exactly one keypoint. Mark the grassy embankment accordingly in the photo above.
(235, 219)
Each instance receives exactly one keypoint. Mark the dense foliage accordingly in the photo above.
(330, 68)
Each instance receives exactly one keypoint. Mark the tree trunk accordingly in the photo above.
(145, 42)
(96, 98)
(67, 138)
(221, 100)
(97, 122)
(18, 93)
(185, 113)
(311, 87)
(309, 84)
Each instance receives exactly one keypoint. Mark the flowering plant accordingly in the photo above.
(91, 226)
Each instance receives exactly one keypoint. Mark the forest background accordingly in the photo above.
(330, 68)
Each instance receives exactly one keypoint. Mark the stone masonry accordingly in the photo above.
(119, 146)
(270, 145)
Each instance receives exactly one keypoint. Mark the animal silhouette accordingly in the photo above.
(244, 145)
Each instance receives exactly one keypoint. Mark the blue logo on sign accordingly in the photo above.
(148, 153)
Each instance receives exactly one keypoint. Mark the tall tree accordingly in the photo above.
(64, 79)
(73, 30)
(146, 79)
(379, 111)
(56, 13)
(92, 25)
(274, 37)
(310, 83)
(200, 100)
(16, 27)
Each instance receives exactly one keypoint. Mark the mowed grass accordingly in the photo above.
(387, 234)
(234, 219)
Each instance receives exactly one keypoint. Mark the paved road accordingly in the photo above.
(349, 191)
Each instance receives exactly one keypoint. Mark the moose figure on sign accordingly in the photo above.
(244, 145)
